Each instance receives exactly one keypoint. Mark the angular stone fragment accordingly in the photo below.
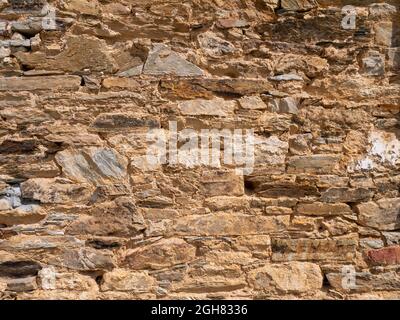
(84, 259)
(324, 209)
(93, 165)
(83, 6)
(200, 107)
(163, 61)
(383, 214)
(295, 277)
(298, 5)
(232, 23)
(213, 45)
(127, 280)
(334, 195)
(55, 190)
(287, 77)
(40, 83)
(224, 224)
(339, 249)
(103, 192)
(320, 163)
(385, 256)
(162, 254)
(380, 10)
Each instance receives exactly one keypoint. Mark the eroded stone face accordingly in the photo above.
(163, 61)
(294, 277)
(383, 215)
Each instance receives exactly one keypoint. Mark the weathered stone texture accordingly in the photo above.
(85, 98)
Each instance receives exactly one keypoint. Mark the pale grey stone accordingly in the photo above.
(392, 238)
(289, 105)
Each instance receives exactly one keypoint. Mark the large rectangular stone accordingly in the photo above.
(365, 281)
(206, 88)
(225, 224)
(40, 83)
(339, 249)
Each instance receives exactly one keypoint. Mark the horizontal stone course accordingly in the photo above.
(95, 98)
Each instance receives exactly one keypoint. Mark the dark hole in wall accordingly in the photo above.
(249, 187)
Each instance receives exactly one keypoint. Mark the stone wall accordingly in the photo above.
(84, 216)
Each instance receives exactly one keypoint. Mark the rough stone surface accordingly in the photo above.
(383, 214)
(163, 254)
(294, 277)
(311, 204)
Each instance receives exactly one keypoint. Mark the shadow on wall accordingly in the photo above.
(396, 59)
